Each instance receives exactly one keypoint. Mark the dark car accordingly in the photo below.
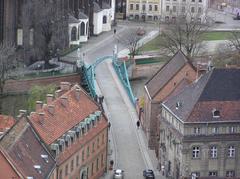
(148, 174)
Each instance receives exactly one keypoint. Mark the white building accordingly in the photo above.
(192, 9)
(78, 29)
(102, 18)
(143, 9)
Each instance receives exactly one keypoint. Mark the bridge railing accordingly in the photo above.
(121, 70)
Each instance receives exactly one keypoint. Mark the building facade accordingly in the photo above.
(192, 9)
(176, 73)
(200, 128)
(143, 10)
(75, 129)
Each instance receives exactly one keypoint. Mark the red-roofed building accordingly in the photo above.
(23, 155)
(176, 73)
(7, 168)
(6, 122)
(76, 130)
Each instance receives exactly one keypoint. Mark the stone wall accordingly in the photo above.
(20, 86)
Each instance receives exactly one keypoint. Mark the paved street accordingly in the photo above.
(127, 143)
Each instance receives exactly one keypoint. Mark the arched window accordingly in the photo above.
(104, 19)
(74, 34)
(82, 32)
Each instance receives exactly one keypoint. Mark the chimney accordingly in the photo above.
(58, 93)
(77, 93)
(51, 109)
(49, 98)
(22, 112)
(65, 86)
(39, 105)
(64, 100)
(41, 118)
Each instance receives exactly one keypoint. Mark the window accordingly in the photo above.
(183, 0)
(98, 142)
(92, 169)
(216, 113)
(196, 130)
(231, 151)
(213, 151)
(192, 9)
(103, 138)
(193, 0)
(150, 7)
(131, 6)
(19, 37)
(230, 173)
(143, 7)
(183, 9)
(83, 155)
(199, 0)
(93, 146)
(102, 160)
(196, 152)
(72, 165)
(74, 34)
(199, 10)
(212, 173)
(66, 170)
(174, 8)
(77, 160)
(97, 164)
(215, 130)
(155, 7)
(232, 129)
(167, 8)
(104, 19)
(137, 6)
(88, 151)
(31, 35)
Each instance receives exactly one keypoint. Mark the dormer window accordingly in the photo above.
(45, 158)
(38, 168)
(215, 113)
(232, 129)
(178, 104)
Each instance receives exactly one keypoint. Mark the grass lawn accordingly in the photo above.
(150, 60)
(208, 36)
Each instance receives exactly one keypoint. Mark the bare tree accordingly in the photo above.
(185, 35)
(7, 63)
(49, 23)
(234, 41)
(131, 42)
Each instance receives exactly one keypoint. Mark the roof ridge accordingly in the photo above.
(196, 101)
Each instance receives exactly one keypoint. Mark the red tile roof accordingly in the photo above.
(7, 168)
(25, 149)
(164, 74)
(53, 125)
(6, 122)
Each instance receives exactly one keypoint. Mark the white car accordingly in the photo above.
(118, 174)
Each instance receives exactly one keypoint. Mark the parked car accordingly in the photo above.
(141, 31)
(118, 174)
(148, 174)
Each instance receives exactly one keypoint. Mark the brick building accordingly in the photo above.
(200, 128)
(23, 155)
(177, 72)
(75, 129)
